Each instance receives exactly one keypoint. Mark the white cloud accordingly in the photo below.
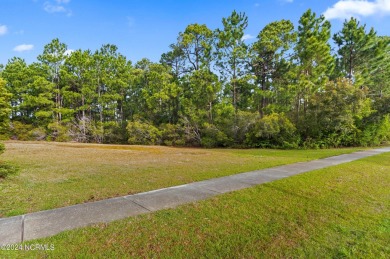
(68, 52)
(247, 37)
(48, 7)
(257, 5)
(23, 47)
(57, 7)
(345, 9)
(3, 29)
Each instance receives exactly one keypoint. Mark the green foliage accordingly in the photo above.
(143, 133)
(314, 64)
(333, 113)
(5, 106)
(355, 48)
(58, 132)
(196, 45)
(22, 131)
(172, 135)
(232, 52)
(6, 169)
(268, 62)
(212, 89)
(115, 133)
(274, 130)
(18, 75)
(85, 130)
(375, 133)
(213, 137)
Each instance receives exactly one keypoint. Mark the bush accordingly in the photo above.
(6, 169)
(274, 130)
(213, 137)
(37, 134)
(143, 133)
(58, 132)
(21, 131)
(115, 133)
(376, 133)
(172, 135)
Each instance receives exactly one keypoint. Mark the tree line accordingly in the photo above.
(293, 87)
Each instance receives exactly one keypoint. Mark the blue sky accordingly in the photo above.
(145, 28)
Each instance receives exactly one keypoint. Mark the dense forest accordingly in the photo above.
(293, 87)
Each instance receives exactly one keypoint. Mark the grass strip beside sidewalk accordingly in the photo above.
(54, 175)
(340, 211)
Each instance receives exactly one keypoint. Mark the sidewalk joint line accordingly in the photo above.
(22, 234)
(141, 205)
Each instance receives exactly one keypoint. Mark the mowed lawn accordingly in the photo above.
(55, 175)
(337, 212)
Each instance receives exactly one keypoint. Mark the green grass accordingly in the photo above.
(336, 212)
(55, 175)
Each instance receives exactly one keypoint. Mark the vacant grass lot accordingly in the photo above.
(337, 212)
(54, 175)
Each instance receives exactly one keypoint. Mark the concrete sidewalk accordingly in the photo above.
(50, 222)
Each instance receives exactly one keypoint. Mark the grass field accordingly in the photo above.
(55, 175)
(336, 212)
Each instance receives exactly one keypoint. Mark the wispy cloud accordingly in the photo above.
(345, 9)
(286, 1)
(50, 8)
(23, 47)
(247, 37)
(57, 7)
(3, 29)
(20, 32)
(130, 21)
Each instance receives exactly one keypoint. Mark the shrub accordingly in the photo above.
(37, 134)
(376, 133)
(2, 148)
(58, 132)
(20, 131)
(213, 137)
(6, 169)
(115, 132)
(143, 133)
(172, 135)
(274, 130)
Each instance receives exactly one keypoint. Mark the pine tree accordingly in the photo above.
(5, 107)
(314, 63)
